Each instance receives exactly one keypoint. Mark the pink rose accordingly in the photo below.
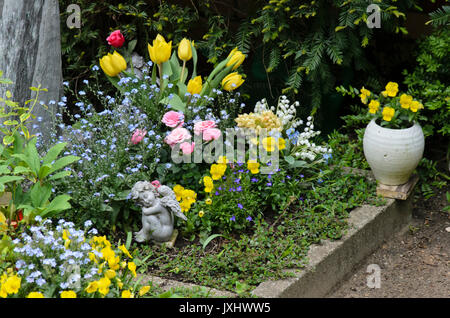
(156, 183)
(211, 134)
(138, 135)
(173, 119)
(177, 136)
(115, 39)
(201, 126)
(187, 147)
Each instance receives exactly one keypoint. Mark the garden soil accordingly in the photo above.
(415, 263)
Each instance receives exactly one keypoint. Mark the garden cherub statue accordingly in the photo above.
(159, 204)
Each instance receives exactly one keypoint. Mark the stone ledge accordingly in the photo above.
(333, 261)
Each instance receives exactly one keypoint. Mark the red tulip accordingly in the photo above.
(115, 39)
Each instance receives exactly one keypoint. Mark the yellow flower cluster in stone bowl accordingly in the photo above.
(391, 108)
(65, 262)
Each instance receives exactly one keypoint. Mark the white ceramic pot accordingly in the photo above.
(393, 154)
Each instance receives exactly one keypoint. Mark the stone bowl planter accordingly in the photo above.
(393, 154)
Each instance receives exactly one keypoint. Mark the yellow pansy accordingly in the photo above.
(110, 273)
(103, 285)
(365, 92)
(132, 268)
(195, 85)
(232, 81)
(388, 113)
(178, 191)
(281, 143)
(144, 290)
(236, 58)
(185, 206)
(208, 182)
(189, 196)
(113, 64)
(185, 50)
(68, 294)
(160, 51)
(253, 166)
(92, 287)
(201, 213)
(223, 160)
(269, 143)
(125, 251)
(35, 295)
(107, 252)
(12, 284)
(127, 294)
(373, 106)
(208, 201)
(405, 101)
(415, 106)
(217, 170)
(391, 89)
(113, 263)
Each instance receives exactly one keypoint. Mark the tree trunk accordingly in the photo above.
(30, 55)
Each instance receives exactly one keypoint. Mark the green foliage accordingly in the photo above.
(429, 81)
(273, 243)
(305, 41)
(22, 166)
(23, 172)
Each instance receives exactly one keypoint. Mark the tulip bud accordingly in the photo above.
(185, 50)
(236, 58)
(113, 64)
(116, 39)
(160, 51)
(232, 81)
(194, 86)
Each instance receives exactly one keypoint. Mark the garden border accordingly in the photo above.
(330, 262)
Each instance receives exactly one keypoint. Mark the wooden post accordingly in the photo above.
(30, 54)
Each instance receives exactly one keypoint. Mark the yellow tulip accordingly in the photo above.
(160, 51)
(113, 64)
(195, 85)
(232, 81)
(185, 50)
(236, 58)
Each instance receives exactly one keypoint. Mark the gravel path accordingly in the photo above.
(413, 264)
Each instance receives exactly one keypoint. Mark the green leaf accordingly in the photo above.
(58, 204)
(54, 152)
(6, 179)
(175, 66)
(176, 103)
(44, 171)
(21, 170)
(40, 194)
(59, 175)
(194, 62)
(289, 159)
(33, 158)
(209, 239)
(62, 162)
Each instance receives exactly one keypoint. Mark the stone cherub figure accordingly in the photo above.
(159, 204)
